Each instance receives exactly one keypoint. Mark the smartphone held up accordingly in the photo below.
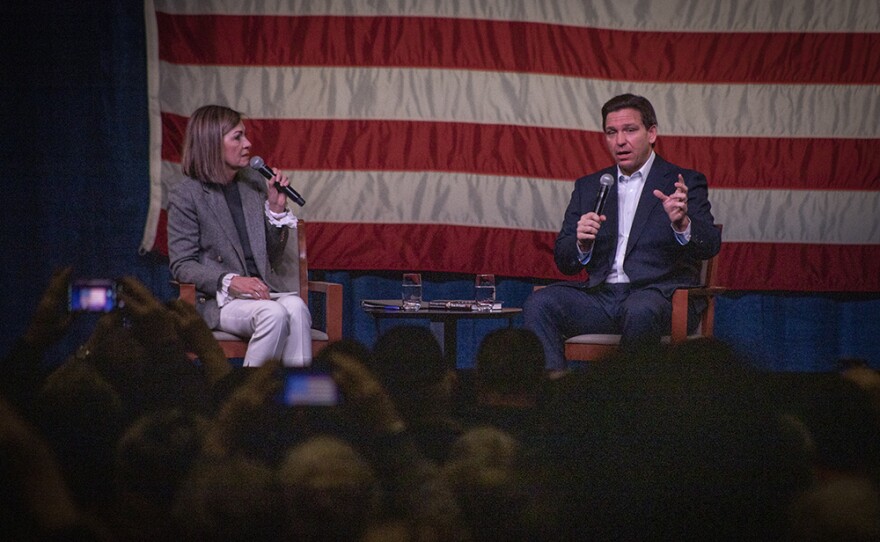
(92, 295)
(305, 387)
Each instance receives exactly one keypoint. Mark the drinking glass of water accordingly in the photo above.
(484, 293)
(412, 291)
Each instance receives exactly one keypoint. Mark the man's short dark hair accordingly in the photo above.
(630, 101)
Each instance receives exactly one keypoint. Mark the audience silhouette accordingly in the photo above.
(147, 432)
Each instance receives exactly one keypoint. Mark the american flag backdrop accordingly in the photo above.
(445, 135)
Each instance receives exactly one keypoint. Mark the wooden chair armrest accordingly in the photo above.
(680, 299)
(187, 291)
(332, 306)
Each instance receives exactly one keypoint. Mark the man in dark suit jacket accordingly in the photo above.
(655, 228)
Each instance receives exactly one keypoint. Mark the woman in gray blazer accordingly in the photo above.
(227, 229)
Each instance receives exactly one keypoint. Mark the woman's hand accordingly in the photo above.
(248, 288)
(277, 198)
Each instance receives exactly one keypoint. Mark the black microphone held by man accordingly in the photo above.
(605, 184)
(258, 164)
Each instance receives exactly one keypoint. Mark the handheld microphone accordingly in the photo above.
(605, 184)
(258, 164)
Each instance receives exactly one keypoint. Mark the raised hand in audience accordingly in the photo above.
(22, 366)
(152, 323)
(245, 412)
(51, 320)
(33, 481)
(365, 399)
(198, 339)
(137, 348)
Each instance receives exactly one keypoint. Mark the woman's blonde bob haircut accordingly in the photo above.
(203, 142)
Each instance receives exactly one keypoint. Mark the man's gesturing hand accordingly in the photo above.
(676, 205)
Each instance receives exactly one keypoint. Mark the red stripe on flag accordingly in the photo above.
(536, 152)
(431, 247)
(478, 44)
(800, 267)
(742, 266)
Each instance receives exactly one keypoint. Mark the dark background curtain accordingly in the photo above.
(76, 191)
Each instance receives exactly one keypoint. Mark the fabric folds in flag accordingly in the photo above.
(446, 136)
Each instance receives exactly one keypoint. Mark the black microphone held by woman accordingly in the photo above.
(258, 164)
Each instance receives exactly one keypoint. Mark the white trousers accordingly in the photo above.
(278, 329)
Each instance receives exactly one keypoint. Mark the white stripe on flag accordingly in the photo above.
(400, 197)
(656, 15)
(798, 216)
(838, 111)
